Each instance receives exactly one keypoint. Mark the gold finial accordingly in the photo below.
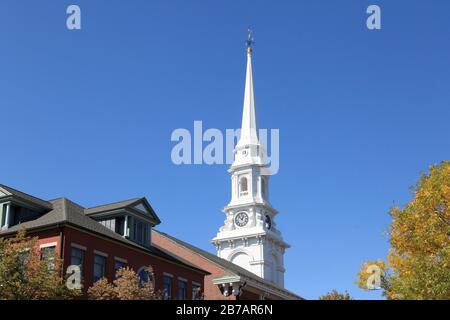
(249, 41)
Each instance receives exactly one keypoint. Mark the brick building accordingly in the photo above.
(226, 280)
(100, 239)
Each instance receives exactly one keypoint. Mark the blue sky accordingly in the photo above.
(88, 114)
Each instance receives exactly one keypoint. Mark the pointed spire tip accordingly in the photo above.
(249, 41)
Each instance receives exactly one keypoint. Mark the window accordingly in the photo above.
(116, 224)
(118, 264)
(141, 232)
(146, 235)
(243, 186)
(196, 291)
(20, 215)
(143, 276)
(99, 267)
(167, 287)
(182, 289)
(77, 259)
(48, 254)
(120, 224)
(24, 258)
(110, 224)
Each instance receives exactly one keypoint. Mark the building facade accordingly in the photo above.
(100, 240)
(226, 280)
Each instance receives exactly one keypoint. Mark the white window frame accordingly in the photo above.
(100, 253)
(121, 260)
(78, 246)
(50, 244)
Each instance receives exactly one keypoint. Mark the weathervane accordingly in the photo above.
(249, 40)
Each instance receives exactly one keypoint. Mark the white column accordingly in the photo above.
(1, 215)
(130, 227)
(8, 216)
(125, 227)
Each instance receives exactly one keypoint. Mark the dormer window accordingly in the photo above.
(17, 207)
(11, 215)
(21, 215)
(243, 186)
(132, 219)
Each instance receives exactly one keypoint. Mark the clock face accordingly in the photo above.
(241, 219)
(268, 222)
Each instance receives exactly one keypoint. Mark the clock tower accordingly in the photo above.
(249, 236)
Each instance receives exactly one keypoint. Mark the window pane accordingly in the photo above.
(120, 225)
(195, 292)
(77, 259)
(118, 265)
(143, 276)
(167, 288)
(23, 258)
(146, 235)
(99, 267)
(139, 232)
(48, 254)
(181, 290)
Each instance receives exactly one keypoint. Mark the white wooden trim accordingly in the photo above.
(168, 274)
(120, 260)
(100, 253)
(50, 244)
(78, 246)
(182, 279)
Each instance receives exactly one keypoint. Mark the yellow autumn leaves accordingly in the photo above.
(418, 263)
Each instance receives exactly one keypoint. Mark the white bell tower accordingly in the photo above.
(249, 237)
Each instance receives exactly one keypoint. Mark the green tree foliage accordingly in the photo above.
(25, 276)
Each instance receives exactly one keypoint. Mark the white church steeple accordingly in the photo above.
(249, 128)
(248, 149)
(249, 237)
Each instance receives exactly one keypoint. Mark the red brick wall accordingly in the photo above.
(211, 291)
(48, 237)
(136, 260)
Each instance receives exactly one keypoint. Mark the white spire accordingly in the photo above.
(249, 128)
(248, 150)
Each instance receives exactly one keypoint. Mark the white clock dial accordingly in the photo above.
(241, 219)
